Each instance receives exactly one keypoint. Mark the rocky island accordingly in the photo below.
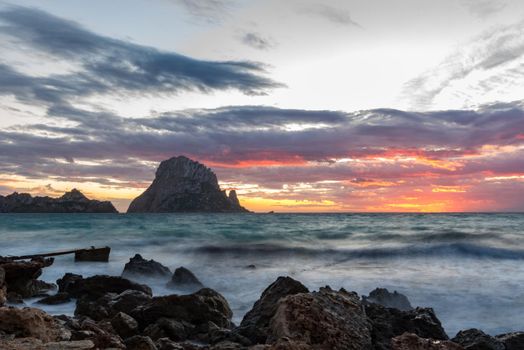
(184, 185)
(71, 202)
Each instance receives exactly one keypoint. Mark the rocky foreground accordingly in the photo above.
(113, 312)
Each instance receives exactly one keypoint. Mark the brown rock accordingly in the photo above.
(21, 276)
(410, 341)
(512, 341)
(326, 319)
(125, 325)
(96, 286)
(475, 339)
(255, 323)
(139, 342)
(30, 322)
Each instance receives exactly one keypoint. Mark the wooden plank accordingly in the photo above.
(86, 254)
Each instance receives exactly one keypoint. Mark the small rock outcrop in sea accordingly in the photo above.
(71, 202)
(384, 297)
(96, 286)
(20, 278)
(512, 341)
(184, 279)
(184, 185)
(138, 266)
(475, 339)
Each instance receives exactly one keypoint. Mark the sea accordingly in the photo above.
(468, 267)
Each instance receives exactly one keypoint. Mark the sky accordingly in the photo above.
(299, 105)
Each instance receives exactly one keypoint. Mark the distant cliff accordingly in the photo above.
(71, 202)
(184, 185)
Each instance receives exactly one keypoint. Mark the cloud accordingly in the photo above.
(491, 64)
(257, 41)
(333, 14)
(484, 8)
(107, 65)
(210, 11)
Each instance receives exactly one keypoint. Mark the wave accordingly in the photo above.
(412, 251)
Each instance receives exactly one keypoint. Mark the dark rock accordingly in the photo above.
(388, 323)
(58, 298)
(96, 286)
(102, 334)
(410, 341)
(14, 298)
(326, 319)
(255, 323)
(167, 328)
(475, 339)
(197, 308)
(183, 185)
(138, 266)
(512, 341)
(383, 297)
(251, 267)
(110, 304)
(21, 277)
(124, 325)
(139, 342)
(63, 283)
(227, 345)
(31, 322)
(184, 279)
(71, 202)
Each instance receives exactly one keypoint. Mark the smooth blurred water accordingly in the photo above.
(468, 267)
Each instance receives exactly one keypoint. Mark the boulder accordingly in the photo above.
(512, 341)
(185, 280)
(255, 323)
(197, 308)
(37, 344)
(326, 319)
(58, 298)
(388, 323)
(139, 342)
(384, 297)
(168, 328)
(64, 282)
(3, 288)
(475, 339)
(124, 325)
(184, 185)
(138, 266)
(110, 304)
(101, 334)
(96, 286)
(71, 202)
(410, 341)
(21, 277)
(31, 322)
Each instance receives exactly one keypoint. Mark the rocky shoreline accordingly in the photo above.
(114, 312)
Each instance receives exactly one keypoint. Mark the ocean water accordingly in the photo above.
(468, 267)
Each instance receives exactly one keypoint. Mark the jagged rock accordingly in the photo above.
(125, 325)
(227, 345)
(383, 297)
(184, 185)
(96, 286)
(102, 334)
(111, 304)
(31, 322)
(197, 308)
(63, 283)
(14, 298)
(388, 323)
(255, 323)
(21, 277)
(58, 298)
(3, 288)
(326, 319)
(410, 341)
(139, 342)
(37, 344)
(512, 341)
(185, 279)
(167, 328)
(168, 344)
(71, 202)
(138, 266)
(475, 339)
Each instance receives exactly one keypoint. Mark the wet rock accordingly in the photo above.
(21, 277)
(184, 185)
(64, 282)
(475, 339)
(197, 308)
(31, 322)
(96, 286)
(410, 341)
(139, 342)
(326, 319)
(58, 298)
(101, 334)
(36, 344)
(3, 288)
(14, 298)
(110, 304)
(95, 309)
(227, 345)
(388, 323)
(384, 297)
(255, 323)
(184, 279)
(124, 325)
(138, 266)
(512, 341)
(167, 328)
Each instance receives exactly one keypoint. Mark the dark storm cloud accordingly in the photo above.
(111, 65)
(249, 136)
